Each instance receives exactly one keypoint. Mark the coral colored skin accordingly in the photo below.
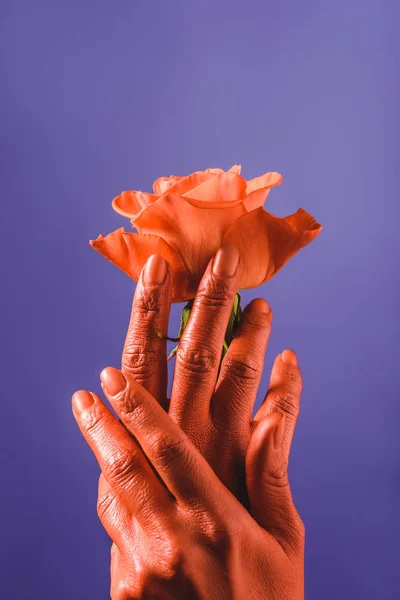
(197, 503)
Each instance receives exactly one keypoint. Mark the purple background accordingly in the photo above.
(101, 96)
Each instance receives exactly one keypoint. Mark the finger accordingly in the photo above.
(113, 514)
(271, 502)
(200, 348)
(241, 371)
(144, 353)
(284, 393)
(120, 459)
(178, 463)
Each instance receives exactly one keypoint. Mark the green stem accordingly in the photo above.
(234, 320)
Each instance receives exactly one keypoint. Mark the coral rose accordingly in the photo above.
(188, 218)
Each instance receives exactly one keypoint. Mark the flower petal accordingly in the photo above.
(258, 188)
(129, 203)
(130, 251)
(161, 185)
(268, 180)
(185, 184)
(215, 171)
(197, 231)
(223, 187)
(256, 199)
(267, 242)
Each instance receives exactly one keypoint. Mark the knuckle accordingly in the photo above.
(300, 529)
(215, 293)
(121, 467)
(172, 569)
(140, 361)
(172, 556)
(175, 555)
(292, 376)
(167, 568)
(242, 367)
(105, 504)
(148, 302)
(286, 402)
(295, 530)
(167, 449)
(195, 359)
(120, 591)
(135, 408)
(216, 537)
(276, 477)
(93, 420)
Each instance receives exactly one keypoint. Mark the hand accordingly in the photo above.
(210, 411)
(178, 531)
(228, 404)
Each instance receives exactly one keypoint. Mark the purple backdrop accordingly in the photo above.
(101, 96)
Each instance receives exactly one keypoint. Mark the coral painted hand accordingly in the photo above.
(178, 532)
(188, 218)
(215, 412)
(213, 407)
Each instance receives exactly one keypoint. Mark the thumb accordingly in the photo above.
(271, 503)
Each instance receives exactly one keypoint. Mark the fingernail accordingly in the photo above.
(113, 381)
(279, 433)
(260, 305)
(226, 261)
(289, 358)
(82, 400)
(155, 270)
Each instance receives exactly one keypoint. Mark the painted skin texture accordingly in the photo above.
(197, 502)
(188, 218)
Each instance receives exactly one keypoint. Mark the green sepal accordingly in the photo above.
(184, 320)
(234, 320)
(233, 323)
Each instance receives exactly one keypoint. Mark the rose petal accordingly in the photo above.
(214, 171)
(258, 188)
(195, 231)
(267, 242)
(129, 203)
(268, 180)
(161, 185)
(130, 251)
(223, 187)
(185, 184)
(236, 169)
(258, 197)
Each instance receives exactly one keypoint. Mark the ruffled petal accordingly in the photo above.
(258, 189)
(196, 232)
(180, 185)
(256, 199)
(223, 187)
(267, 242)
(185, 184)
(130, 251)
(162, 184)
(215, 171)
(268, 180)
(236, 169)
(129, 203)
